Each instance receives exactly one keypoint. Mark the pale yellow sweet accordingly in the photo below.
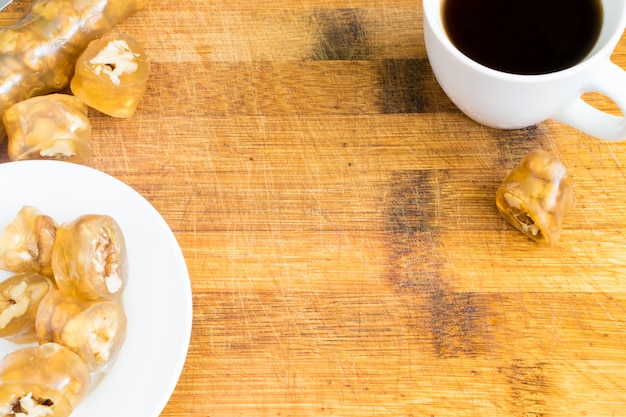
(48, 378)
(111, 75)
(54, 126)
(20, 296)
(89, 258)
(535, 196)
(26, 243)
(94, 330)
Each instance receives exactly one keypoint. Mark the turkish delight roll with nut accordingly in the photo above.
(20, 296)
(54, 126)
(89, 258)
(26, 243)
(46, 380)
(535, 196)
(94, 330)
(112, 74)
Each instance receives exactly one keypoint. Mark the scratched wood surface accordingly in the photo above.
(337, 216)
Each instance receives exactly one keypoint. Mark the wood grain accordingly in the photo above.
(337, 217)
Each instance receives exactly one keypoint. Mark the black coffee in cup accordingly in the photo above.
(524, 36)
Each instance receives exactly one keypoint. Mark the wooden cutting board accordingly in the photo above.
(337, 216)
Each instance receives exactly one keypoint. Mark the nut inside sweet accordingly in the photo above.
(526, 222)
(29, 406)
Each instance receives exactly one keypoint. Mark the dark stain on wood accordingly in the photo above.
(448, 320)
(412, 201)
(409, 86)
(454, 323)
(514, 144)
(341, 35)
(527, 382)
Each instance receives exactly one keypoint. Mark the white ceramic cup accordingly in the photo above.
(511, 101)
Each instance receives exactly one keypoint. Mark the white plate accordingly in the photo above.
(157, 299)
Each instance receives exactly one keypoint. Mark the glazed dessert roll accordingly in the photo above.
(26, 243)
(46, 380)
(54, 126)
(535, 196)
(112, 75)
(89, 258)
(94, 330)
(19, 299)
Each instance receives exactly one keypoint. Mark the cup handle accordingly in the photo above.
(610, 80)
